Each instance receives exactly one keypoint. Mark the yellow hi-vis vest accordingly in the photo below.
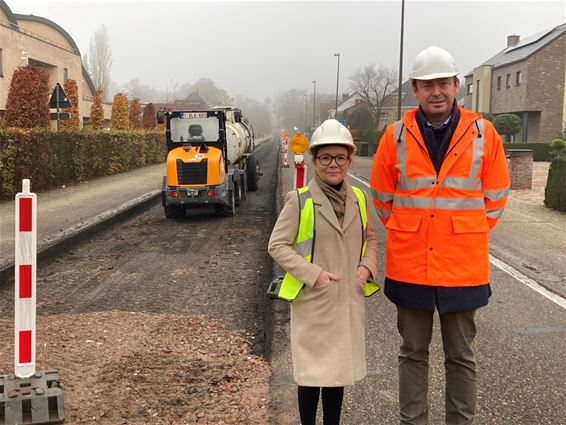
(305, 238)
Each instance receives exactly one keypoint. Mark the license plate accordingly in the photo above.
(192, 192)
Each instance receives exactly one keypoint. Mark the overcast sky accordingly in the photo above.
(260, 48)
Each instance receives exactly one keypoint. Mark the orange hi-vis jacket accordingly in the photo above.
(438, 225)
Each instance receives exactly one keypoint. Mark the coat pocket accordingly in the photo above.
(404, 222)
(470, 224)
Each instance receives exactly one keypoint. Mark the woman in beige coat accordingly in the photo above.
(328, 315)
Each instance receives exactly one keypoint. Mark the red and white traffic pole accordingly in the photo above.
(300, 172)
(25, 268)
(284, 147)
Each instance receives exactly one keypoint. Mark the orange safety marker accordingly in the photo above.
(299, 145)
(25, 276)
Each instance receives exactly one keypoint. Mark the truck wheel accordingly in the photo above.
(229, 210)
(243, 187)
(174, 212)
(251, 173)
(238, 194)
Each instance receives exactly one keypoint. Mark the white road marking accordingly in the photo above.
(527, 281)
(511, 271)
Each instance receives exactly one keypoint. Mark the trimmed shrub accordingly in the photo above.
(135, 114)
(555, 190)
(72, 92)
(541, 151)
(120, 118)
(148, 120)
(28, 98)
(97, 111)
(507, 125)
(52, 159)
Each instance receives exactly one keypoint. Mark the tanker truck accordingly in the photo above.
(210, 160)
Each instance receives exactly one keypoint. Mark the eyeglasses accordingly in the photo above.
(326, 160)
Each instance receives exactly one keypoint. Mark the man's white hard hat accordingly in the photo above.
(331, 132)
(433, 62)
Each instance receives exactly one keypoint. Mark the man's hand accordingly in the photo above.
(324, 278)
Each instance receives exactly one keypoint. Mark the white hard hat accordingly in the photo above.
(331, 132)
(433, 62)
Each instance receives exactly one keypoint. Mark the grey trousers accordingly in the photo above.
(458, 332)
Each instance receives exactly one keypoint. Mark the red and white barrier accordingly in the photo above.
(300, 179)
(25, 267)
(284, 150)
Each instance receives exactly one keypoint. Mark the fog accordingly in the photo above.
(259, 49)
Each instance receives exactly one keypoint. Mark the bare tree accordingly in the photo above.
(374, 84)
(100, 59)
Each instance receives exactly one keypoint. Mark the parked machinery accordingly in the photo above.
(210, 160)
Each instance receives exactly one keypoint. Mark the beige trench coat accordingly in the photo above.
(327, 323)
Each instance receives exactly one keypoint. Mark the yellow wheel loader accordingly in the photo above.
(210, 161)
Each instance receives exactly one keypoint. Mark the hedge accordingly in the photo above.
(51, 159)
(555, 190)
(541, 151)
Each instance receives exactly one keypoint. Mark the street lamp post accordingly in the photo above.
(314, 106)
(337, 79)
(306, 112)
(401, 61)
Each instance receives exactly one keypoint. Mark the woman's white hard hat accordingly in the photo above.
(331, 132)
(433, 62)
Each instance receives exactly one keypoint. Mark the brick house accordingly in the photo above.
(528, 79)
(33, 40)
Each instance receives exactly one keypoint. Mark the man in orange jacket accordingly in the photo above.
(439, 184)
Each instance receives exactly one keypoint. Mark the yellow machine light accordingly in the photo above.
(298, 144)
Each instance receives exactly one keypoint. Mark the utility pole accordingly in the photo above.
(314, 107)
(306, 112)
(401, 61)
(337, 79)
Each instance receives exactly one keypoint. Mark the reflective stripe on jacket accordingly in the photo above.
(305, 240)
(438, 225)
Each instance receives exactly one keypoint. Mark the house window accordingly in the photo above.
(1, 70)
(518, 78)
(470, 89)
(65, 74)
(508, 81)
(499, 83)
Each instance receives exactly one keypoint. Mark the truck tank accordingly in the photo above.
(239, 136)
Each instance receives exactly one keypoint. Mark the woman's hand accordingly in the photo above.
(363, 274)
(324, 278)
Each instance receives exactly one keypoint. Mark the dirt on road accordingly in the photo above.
(160, 321)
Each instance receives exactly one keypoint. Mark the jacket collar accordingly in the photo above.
(465, 124)
(327, 212)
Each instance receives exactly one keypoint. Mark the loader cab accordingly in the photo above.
(195, 128)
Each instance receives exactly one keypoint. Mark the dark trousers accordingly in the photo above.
(331, 404)
(458, 331)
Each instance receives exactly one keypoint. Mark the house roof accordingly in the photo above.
(525, 48)
(6, 9)
(195, 99)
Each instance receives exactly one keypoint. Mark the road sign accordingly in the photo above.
(62, 116)
(298, 144)
(59, 98)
